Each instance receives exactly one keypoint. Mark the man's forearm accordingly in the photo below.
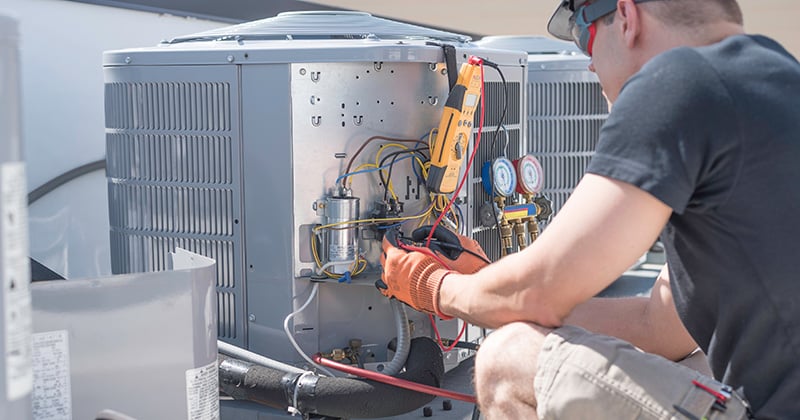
(649, 323)
(497, 295)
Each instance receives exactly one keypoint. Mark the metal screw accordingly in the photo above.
(128, 60)
(251, 317)
(302, 72)
(230, 59)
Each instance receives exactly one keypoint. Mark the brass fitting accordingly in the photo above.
(338, 355)
(519, 231)
(505, 229)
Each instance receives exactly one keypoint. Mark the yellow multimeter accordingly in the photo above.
(449, 144)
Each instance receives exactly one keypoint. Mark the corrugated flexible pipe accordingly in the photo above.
(403, 339)
(308, 393)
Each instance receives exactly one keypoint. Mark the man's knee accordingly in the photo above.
(507, 360)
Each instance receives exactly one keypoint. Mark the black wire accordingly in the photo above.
(482, 258)
(452, 246)
(62, 179)
(394, 156)
(505, 102)
(461, 344)
(500, 124)
(388, 179)
(400, 152)
(462, 249)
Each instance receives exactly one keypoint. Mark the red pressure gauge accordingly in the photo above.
(530, 176)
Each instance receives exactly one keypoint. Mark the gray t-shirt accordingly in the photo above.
(714, 132)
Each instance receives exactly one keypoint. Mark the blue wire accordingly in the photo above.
(461, 220)
(391, 226)
(363, 171)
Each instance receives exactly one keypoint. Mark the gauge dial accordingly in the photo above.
(504, 177)
(531, 175)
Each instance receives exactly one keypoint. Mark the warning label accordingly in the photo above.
(202, 392)
(52, 394)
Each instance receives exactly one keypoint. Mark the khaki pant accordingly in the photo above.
(582, 375)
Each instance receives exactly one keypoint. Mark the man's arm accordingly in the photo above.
(604, 227)
(652, 324)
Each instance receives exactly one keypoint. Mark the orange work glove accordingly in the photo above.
(459, 252)
(411, 277)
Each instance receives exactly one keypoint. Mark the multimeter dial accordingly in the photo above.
(504, 177)
(530, 174)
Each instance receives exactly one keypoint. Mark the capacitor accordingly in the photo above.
(341, 239)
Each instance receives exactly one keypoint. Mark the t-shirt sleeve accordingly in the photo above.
(672, 133)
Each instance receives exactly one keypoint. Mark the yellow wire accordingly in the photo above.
(364, 165)
(437, 203)
(384, 147)
(431, 135)
(360, 167)
(422, 165)
(360, 264)
(391, 219)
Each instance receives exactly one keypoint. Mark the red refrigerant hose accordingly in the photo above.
(391, 380)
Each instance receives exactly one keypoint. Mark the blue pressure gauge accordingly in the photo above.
(499, 177)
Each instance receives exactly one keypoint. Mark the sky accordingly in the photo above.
(774, 18)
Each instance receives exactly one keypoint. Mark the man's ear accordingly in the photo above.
(629, 15)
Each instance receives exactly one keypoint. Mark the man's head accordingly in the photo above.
(631, 32)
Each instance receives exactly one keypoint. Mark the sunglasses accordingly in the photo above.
(583, 22)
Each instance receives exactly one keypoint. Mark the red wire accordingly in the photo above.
(428, 252)
(391, 380)
(444, 348)
(469, 165)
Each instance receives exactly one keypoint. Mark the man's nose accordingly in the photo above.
(591, 67)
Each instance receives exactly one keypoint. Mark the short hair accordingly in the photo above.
(693, 13)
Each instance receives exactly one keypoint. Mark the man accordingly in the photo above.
(702, 146)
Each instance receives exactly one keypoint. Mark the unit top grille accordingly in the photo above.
(322, 25)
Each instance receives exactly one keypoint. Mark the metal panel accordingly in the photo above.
(173, 156)
(123, 334)
(15, 330)
(267, 194)
(396, 100)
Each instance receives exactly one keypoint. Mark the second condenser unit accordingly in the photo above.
(565, 109)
